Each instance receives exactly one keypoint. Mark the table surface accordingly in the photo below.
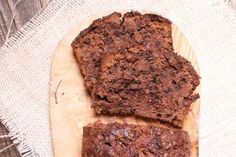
(23, 11)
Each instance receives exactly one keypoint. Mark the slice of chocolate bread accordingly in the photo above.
(113, 33)
(127, 140)
(146, 83)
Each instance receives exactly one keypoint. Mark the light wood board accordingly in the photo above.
(70, 103)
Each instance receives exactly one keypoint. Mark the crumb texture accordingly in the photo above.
(130, 68)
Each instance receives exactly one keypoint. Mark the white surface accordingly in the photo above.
(25, 62)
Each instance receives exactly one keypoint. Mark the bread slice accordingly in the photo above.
(146, 83)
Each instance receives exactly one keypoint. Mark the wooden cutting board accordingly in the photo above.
(70, 103)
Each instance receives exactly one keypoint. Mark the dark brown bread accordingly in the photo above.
(130, 68)
(113, 33)
(146, 83)
(127, 140)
